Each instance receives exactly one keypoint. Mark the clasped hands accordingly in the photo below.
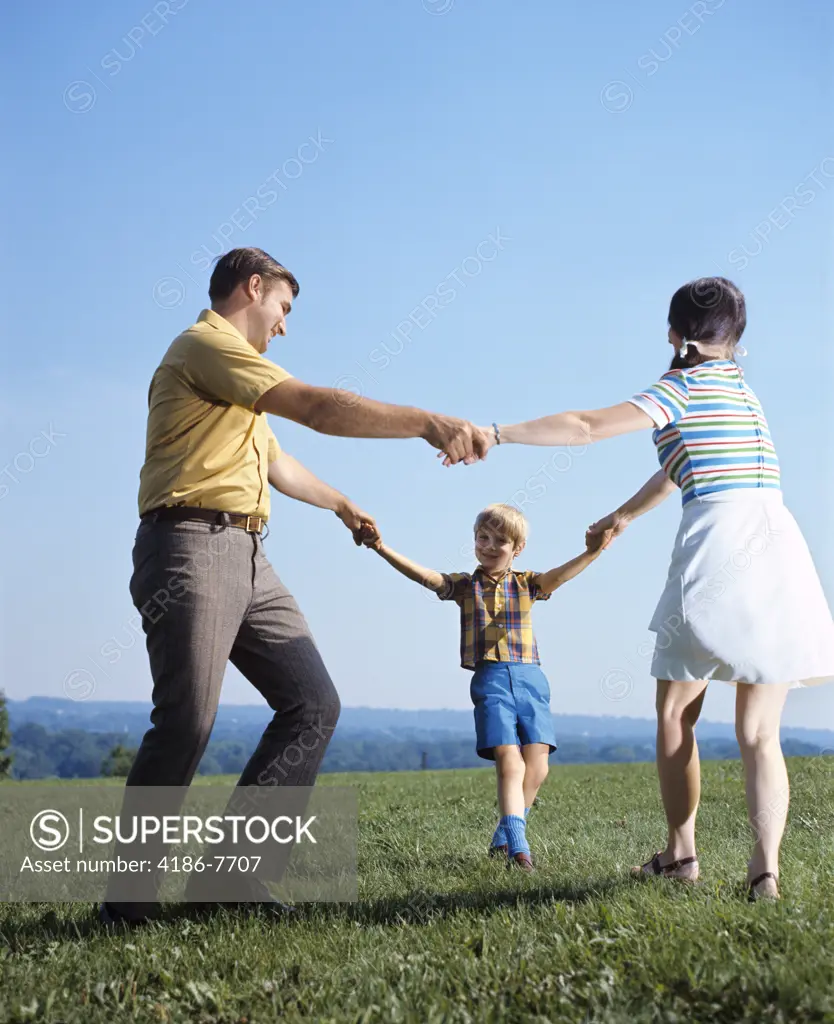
(603, 531)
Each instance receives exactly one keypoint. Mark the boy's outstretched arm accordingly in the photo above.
(429, 578)
(549, 581)
(655, 490)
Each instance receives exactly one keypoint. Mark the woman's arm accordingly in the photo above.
(566, 428)
(655, 490)
(569, 428)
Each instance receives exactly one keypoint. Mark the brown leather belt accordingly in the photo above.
(252, 524)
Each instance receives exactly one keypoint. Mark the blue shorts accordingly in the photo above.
(512, 706)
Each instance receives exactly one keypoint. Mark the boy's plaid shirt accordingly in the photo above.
(495, 623)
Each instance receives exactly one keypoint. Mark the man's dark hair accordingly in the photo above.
(708, 309)
(238, 265)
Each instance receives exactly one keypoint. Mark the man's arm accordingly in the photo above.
(290, 477)
(654, 491)
(549, 581)
(344, 414)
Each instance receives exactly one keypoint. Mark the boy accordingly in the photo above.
(510, 692)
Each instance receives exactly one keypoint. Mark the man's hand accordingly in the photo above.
(458, 440)
(603, 532)
(359, 523)
(489, 441)
(489, 434)
(371, 537)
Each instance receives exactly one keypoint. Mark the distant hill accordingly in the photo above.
(68, 739)
(246, 721)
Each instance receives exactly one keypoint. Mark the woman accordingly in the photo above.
(743, 602)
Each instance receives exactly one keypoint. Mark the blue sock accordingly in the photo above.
(499, 836)
(516, 834)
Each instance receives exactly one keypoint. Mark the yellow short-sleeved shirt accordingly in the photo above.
(206, 446)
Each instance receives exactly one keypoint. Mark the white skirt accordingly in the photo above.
(742, 602)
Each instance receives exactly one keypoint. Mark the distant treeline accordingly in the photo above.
(75, 753)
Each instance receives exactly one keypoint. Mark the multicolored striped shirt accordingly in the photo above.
(711, 432)
(495, 623)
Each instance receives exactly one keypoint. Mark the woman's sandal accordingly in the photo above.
(654, 867)
(754, 896)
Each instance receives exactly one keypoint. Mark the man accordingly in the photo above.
(201, 580)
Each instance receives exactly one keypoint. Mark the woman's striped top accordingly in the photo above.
(711, 433)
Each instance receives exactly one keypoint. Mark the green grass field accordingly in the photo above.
(441, 933)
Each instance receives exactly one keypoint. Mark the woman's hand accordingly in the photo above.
(596, 542)
(612, 525)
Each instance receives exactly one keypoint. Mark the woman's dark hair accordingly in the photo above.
(238, 265)
(708, 309)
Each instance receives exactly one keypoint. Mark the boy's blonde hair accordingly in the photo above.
(505, 519)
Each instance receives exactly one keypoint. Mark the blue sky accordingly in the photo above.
(560, 169)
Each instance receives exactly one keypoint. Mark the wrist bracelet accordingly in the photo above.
(497, 431)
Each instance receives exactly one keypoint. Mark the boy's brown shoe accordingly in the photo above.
(521, 860)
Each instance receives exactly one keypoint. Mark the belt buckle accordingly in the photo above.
(253, 529)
